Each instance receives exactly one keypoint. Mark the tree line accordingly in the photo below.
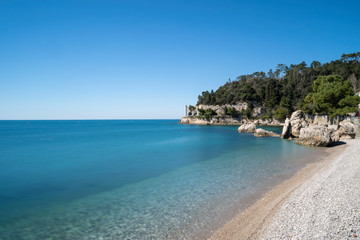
(315, 88)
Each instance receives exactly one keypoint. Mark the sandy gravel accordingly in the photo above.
(325, 207)
(321, 202)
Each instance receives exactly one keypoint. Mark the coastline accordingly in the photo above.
(228, 121)
(253, 222)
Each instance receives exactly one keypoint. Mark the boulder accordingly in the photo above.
(286, 129)
(347, 130)
(263, 133)
(317, 136)
(247, 128)
(297, 122)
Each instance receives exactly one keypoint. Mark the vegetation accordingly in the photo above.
(331, 95)
(232, 112)
(191, 108)
(293, 87)
(281, 113)
(206, 114)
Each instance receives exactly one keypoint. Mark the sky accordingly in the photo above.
(102, 59)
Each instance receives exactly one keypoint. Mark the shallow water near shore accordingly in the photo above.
(133, 179)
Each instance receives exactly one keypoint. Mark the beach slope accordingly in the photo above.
(321, 202)
(325, 207)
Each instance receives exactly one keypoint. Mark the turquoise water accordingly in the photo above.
(132, 179)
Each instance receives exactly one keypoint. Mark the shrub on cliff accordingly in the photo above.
(232, 112)
(206, 114)
(191, 108)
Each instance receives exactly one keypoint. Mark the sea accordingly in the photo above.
(133, 179)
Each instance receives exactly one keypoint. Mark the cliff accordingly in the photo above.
(226, 120)
(213, 121)
(234, 114)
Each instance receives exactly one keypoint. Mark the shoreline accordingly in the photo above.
(253, 222)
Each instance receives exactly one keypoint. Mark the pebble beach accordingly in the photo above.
(325, 207)
(321, 201)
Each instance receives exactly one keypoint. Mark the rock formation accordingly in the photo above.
(293, 125)
(317, 136)
(317, 130)
(346, 130)
(212, 121)
(263, 133)
(297, 122)
(286, 132)
(247, 128)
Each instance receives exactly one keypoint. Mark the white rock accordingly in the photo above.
(286, 129)
(263, 133)
(317, 136)
(247, 128)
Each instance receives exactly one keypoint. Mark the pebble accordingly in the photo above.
(327, 206)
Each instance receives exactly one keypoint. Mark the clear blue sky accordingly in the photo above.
(147, 59)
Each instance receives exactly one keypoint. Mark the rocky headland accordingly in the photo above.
(309, 130)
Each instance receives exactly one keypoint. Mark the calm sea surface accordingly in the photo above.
(124, 179)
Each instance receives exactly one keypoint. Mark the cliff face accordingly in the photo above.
(212, 121)
(221, 116)
(220, 110)
(227, 120)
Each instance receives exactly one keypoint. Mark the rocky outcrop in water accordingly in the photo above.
(264, 133)
(286, 132)
(247, 128)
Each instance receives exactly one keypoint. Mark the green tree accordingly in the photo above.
(201, 112)
(331, 95)
(281, 113)
(191, 108)
(206, 114)
(209, 113)
(232, 112)
(287, 86)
